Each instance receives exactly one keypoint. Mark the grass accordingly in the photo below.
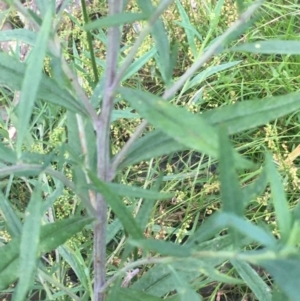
(190, 175)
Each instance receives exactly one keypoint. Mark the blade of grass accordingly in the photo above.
(32, 79)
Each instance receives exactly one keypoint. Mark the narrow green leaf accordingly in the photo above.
(161, 40)
(13, 72)
(183, 288)
(245, 227)
(221, 220)
(13, 222)
(153, 144)
(283, 214)
(252, 113)
(138, 192)
(253, 190)
(56, 234)
(286, 273)
(261, 290)
(7, 155)
(21, 35)
(231, 194)
(270, 47)
(33, 76)
(9, 263)
(203, 75)
(51, 236)
(115, 20)
(138, 64)
(192, 130)
(188, 28)
(29, 244)
(129, 294)
(77, 263)
(145, 211)
(163, 247)
(118, 207)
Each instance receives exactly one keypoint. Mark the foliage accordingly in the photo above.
(157, 154)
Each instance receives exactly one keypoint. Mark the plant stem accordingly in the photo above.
(102, 128)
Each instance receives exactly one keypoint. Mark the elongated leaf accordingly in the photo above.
(137, 192)
(219, 221)
(54, 235)
(163, 247)
(29, 244)
(33, 76)
(139, 63)
(13, 222)
(7, 155)
(253, 280)
(286, 273)
(188, 28)
(161, 41)
(270, 47)
(51, 236)
(129, 294)
(183, 288)
(12, 74)
(21, 35)
(249, 114)
(231, 194)
(115, 20)
(119, 208)
(253, 190)
(158, 280)
(203, 75)
(9, 263)
(185, 127)
(283, 214)
(153, 144)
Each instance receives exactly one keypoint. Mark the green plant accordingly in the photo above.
(169, 270)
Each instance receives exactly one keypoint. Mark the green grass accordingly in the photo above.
(190, 175)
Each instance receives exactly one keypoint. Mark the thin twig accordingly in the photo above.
(102, 128)
(170, 92)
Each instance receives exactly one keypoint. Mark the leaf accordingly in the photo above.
(188, 28)
(51, 236)
(12, 74)
(56, 234)
(183, 288)
(13, 222)
(32, 79)
(29, 244)
(118, 207)
(261, 290)
(187, 128)
(129, 294)
(138, 192)
(21, 34)
(270, 47)
(202, 76)
(252, 113)
(221, 220)
(138, 64)
(231, 194)
(253, 190)
(7, 155)
(161, 41)
(115, 20)
(153, 144)
(283, 214)
(286, 273)
(163, 247)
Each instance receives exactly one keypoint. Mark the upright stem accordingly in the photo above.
(103, 150)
